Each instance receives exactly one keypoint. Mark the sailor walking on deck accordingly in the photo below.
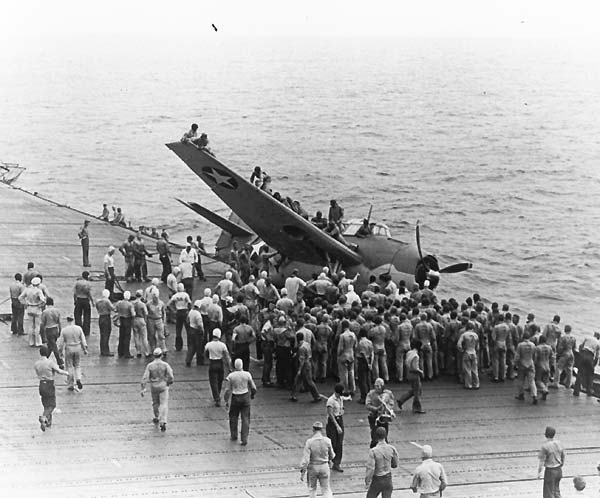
(45, 369)
(160, 375)
(317, 455)
(72, 339)
(240, 389)
(429, 478)
(383, 457)
(50, 329)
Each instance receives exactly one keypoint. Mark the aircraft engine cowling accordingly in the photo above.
(428, 269)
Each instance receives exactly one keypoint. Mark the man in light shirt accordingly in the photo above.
(293, 284)
(73, 340)
(109, 270)
(181, 302)
(240, 389)
(160, 375)
(195, 336)
(552, 458)
(105, 308)
(218, 357)
(140, 330)
(33, 300)
(589, 352)
(429, 478)
(317, 454)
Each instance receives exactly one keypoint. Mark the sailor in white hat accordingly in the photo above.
(160, 375)
(105, 308)
(182, 303)
(125, 312)
(33, 299)
(195, 336)
(218, 357)
(240, 389)
(429, 478)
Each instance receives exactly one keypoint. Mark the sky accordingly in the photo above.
(470, 18)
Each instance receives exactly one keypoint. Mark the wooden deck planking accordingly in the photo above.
(104, 444)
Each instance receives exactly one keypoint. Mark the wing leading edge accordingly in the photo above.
(276, 224)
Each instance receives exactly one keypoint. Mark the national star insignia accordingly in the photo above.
(220, 178)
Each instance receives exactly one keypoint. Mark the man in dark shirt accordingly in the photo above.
(85, 242)
(164, 254)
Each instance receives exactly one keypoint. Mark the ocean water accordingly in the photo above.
(493, 144)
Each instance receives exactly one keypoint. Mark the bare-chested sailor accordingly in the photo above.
(424, 333)
(346, 353)
(405, 330)
(500, 336)
(377, 334)
(544, 363)
(468, 344)
(525, 361)
(565, 358)
(323, 334)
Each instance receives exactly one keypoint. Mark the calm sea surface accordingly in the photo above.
(493, 144)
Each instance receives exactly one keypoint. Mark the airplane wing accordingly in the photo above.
(224, 224)
(276, 224)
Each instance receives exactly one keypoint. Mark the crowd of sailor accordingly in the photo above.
(351, 336)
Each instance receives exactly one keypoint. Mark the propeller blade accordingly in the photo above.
(418, 231)
(458, 267)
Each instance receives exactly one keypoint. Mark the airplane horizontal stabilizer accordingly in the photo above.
(233, 228)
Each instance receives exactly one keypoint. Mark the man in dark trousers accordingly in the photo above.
(240, 389)
(218, 357)
(164, 254)
(82, 296)
(84, 238)
(335, 424)
(126, 312)
(552, 458)
(45, 369)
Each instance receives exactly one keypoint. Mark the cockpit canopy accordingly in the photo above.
(351, 227)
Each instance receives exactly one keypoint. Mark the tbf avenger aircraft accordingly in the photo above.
(259, 217)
